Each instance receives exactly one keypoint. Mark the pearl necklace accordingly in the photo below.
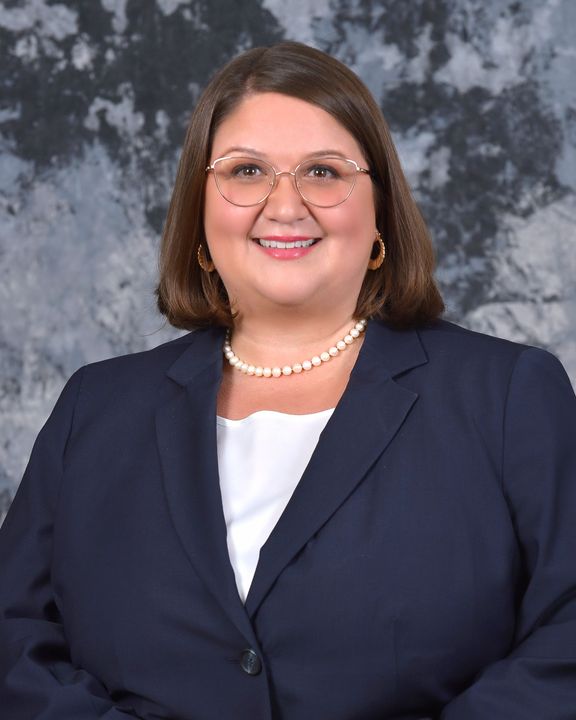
(297, 368)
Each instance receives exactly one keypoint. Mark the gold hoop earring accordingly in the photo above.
(376, 262)
(205, 264)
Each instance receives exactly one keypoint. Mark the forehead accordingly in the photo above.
(282, 128)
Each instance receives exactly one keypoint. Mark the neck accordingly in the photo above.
(274, 340)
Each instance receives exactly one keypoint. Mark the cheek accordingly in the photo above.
(224, 222)
(355, 221)
(359, 208)
(215, 213)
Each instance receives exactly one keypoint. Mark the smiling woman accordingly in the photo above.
(275, 105)
(324, 502)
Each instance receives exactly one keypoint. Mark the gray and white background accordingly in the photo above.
(94, 100)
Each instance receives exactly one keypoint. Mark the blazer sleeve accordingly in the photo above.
(538, 678)
(37, 677)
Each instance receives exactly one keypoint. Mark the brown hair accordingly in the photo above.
(402, 291)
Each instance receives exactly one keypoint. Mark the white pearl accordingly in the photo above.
(348, 339)
(233, 360)
(244, 367)
(229, 355)
(276, 372)
(354, 332)
(259, 371)
(307, 365)
(297, 368)
(316, 361)
(251, 370)
(333, 351)
(267, 372)
(341, 345)
(286, 370)
(325, 357)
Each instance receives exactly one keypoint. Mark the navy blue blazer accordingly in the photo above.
(425, 566)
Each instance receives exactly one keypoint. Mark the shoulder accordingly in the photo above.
(456, 347)
(140, 378)
(145, 363)
(487, 384)
(444, 335)
(150, 365)
(470, 363)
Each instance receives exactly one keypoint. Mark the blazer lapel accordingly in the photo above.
(369, 414)
(186, 432)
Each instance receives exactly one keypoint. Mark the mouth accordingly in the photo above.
(286, 244)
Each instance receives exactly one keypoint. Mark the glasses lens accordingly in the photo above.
(242, 180)
(326, 181)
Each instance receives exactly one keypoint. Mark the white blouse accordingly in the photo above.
(261, 459)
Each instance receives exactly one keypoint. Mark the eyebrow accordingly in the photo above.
(325, 152)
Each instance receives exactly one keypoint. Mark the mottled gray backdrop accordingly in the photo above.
(95, 95)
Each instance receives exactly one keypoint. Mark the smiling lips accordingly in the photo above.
(286, 247)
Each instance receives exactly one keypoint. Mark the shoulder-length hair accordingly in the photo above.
(402, 291)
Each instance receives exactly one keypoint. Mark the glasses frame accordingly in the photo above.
(277, 174)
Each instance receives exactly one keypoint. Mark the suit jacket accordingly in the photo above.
(425, 566)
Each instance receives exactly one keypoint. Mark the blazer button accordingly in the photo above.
(250, 662)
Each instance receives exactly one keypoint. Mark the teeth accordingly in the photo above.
(286, 245)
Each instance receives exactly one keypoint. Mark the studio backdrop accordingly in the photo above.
(94, 100)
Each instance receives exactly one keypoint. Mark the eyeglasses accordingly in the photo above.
(324, 182)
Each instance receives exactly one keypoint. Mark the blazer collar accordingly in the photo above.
(203, 351)
(384, 350)
(370, 412)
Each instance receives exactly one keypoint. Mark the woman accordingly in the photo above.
(325, 503)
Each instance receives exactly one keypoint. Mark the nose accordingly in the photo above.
(285, 202)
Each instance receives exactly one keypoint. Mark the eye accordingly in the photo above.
(247, 171)
(321, 172)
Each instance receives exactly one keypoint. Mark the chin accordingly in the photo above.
(289, 294)
(289, 300)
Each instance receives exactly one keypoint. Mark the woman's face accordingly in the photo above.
(327, 277)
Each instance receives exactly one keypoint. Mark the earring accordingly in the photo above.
(205, 264)
(375, 263)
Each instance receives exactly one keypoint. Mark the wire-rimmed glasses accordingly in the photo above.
(321, 181)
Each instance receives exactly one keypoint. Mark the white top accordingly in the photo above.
(261, 459)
